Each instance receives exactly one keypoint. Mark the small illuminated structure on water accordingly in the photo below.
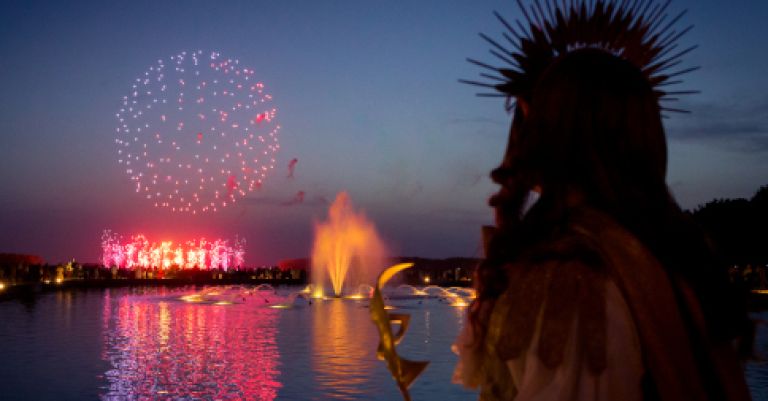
(140, 253)
(459, 302)
(192, 298)
(2, 286)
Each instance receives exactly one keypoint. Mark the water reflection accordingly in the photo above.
(343, 342)
(160, 348)
(756, 370)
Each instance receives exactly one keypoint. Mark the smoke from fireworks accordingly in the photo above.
(297, 199)
(292, 166)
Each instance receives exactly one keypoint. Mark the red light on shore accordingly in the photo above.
(141, 253)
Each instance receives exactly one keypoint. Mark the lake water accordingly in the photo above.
(141, 344)
(146, 344)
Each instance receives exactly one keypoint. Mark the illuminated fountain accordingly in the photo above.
(347, 250)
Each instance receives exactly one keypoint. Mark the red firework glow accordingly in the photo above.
(140, 253)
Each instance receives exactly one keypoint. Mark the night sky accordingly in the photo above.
(368, 102)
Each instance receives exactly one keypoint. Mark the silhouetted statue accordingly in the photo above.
(595, 284)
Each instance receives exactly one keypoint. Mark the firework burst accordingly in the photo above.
(196, 132)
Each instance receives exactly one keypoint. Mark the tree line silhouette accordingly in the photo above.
(738, 228)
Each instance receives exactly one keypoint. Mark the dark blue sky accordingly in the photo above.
(368, 102)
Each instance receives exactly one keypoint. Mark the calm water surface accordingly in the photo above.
(146, 344)
(757, 370)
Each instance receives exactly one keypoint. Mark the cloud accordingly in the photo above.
(738, 124)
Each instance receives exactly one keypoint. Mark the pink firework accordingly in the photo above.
(138, 252)
(197, 132)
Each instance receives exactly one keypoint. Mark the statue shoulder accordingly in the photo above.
(551, 286)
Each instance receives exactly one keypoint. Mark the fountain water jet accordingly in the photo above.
(347, 249)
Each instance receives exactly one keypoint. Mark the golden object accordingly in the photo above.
(403, 371)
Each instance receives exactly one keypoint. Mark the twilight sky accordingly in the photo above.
(368, 102)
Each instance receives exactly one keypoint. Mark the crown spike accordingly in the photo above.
(495, 44)
(481, 64)
(688, 92)
(503, 58)
(668, 83)
(631, 6)
(535, 12)
(681, 72)
(525, 32)
(509, 28)
(648, 5)
(495, 94)
(674, 37)
(670, 61)
(672, 23)
(525, 13)
(493, 77)
(675, 110)
(660, 17)
(476, 83)
(656, 13)
(550, 10)
(514, 44)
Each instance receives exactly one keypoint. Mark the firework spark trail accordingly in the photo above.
(197, 132)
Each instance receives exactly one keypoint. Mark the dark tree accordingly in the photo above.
(738, 227)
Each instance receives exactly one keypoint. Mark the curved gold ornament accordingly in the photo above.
(403, 371)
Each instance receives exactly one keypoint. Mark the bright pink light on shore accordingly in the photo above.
(140, 253)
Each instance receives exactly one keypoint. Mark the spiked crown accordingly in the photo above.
(639, 31)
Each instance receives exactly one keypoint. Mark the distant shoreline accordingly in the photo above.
(25, 290)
